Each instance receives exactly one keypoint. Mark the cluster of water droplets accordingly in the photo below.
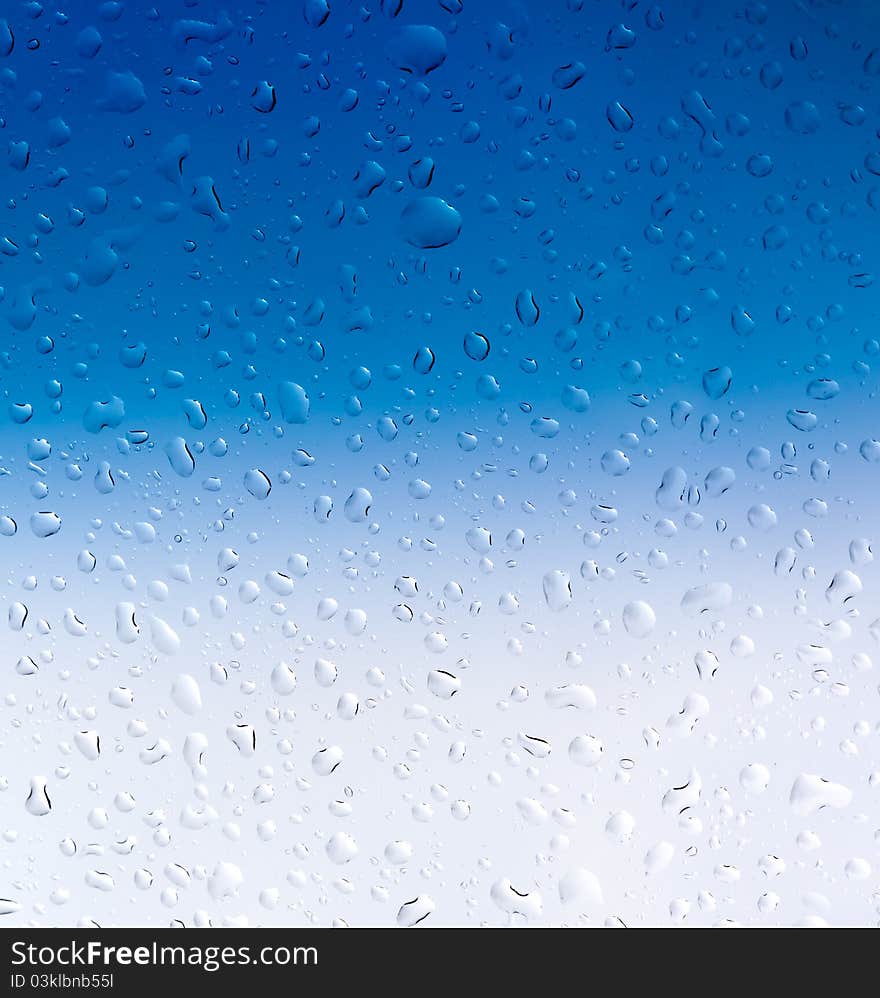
(438, 464)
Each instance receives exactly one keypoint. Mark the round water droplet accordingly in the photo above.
(639, 618)
(430, 222)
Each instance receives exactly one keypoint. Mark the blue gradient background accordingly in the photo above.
(221, 304)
